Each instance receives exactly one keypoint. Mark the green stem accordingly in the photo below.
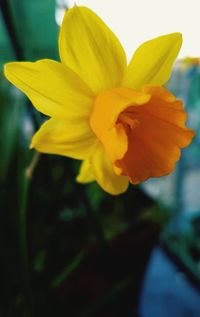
(69, 269)
(27, 290)
(30, 169)
(25, 268)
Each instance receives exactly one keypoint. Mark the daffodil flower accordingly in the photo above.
(118, 119)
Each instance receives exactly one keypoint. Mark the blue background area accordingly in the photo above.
(167, 291)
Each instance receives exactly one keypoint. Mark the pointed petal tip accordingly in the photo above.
(34, 142)
(75, 9)
(9, 65)
(77, 179)
(10, 70)
(153, 60)
(6, 69)
(31, 145)
(174, 35)
(178, 36)
(82, 27)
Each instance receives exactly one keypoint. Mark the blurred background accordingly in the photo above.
(73, 250)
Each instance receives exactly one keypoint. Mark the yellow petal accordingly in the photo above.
(90, 49)
(68, 138)
(105, 175)
(54, 89)
(86, 174)
(152, 61)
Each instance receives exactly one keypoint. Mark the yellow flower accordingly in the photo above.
(189, 62)
(118, 119)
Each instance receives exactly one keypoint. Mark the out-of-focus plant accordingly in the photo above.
(9, 127)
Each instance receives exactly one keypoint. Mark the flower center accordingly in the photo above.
(115, 114)
(128, 119)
